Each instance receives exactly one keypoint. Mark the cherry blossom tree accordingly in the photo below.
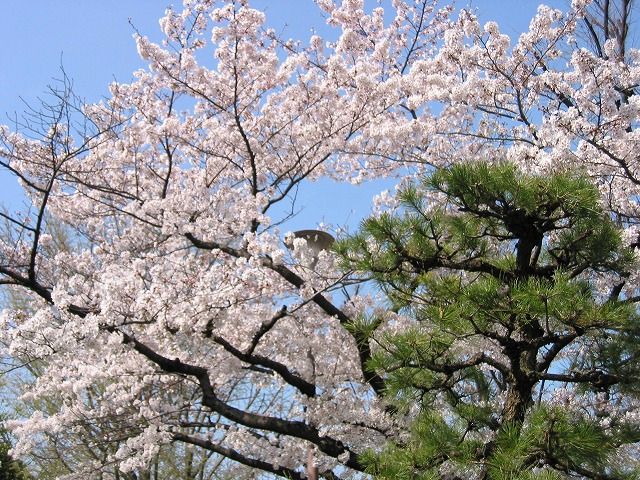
(59, 453)
(182, 182)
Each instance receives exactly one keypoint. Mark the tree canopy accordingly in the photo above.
(185, 320)
(510, 361)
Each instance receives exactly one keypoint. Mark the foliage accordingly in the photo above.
(187, 320)
(498, 278)
(10, 468)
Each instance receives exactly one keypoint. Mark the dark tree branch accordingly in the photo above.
(364, 350)
(597, 378)
(293, 428)
(306, 388)
(265, 327)
(238, 457)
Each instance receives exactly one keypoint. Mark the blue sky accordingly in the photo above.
(92, 39)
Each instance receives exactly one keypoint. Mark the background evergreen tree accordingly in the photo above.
(521, 358)
(10, 468)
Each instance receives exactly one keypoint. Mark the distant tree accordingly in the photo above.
(10, 468)
(510, 362)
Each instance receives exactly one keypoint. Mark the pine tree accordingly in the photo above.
(521, 356)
